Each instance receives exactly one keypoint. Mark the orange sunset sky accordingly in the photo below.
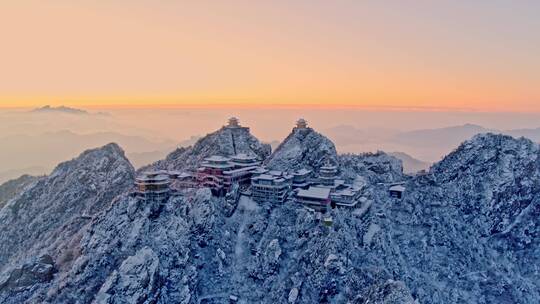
(462, 55)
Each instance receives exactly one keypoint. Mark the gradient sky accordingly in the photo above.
(463, 55)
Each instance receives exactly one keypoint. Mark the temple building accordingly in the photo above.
(271, 186)
(243, 160)
(234, 123)
(301, 178)
(211, 173)
(153, 186)
(183, 180)
(328, 174)
(345, 197)
(259, 170)
(317, 198)
(396, 191)
(301, 124)
(219, 173)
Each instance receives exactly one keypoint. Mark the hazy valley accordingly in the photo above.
(60, 133)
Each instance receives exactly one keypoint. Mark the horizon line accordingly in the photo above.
(277, 106)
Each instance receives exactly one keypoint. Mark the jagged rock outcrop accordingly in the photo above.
(375, 167)
(11, 188)
(303, 148)
(136, 278)
(391, 292)
(48, 215)
(31, 273)
(226, 141)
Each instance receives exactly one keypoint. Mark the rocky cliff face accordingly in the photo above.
(49, 214)
(303, 148)
(465, 233)
(505, 200)
(225, 142)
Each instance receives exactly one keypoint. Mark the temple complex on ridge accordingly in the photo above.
(318, 189)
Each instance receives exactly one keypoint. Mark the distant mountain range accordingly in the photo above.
(417, 149)
(64, 109)
(439, 142)
(442, 137)
(424, 144)
(140, 159)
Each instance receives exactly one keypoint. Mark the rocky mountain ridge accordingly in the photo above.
(466, 232)
(475, 221)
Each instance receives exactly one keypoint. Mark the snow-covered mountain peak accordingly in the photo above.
(227, 141)
(303, 148)
(42, 218)
(489, 153)
(495, 178)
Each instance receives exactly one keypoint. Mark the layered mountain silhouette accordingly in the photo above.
(467, 231)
